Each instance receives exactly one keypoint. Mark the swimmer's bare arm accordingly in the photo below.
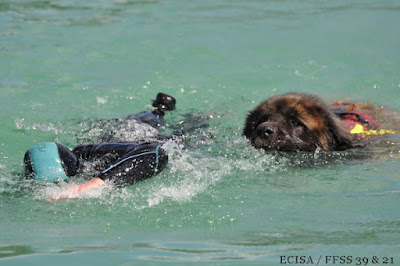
(76, 190)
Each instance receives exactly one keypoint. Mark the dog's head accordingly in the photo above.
(295, 122)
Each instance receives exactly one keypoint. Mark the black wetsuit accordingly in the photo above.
(123, 163)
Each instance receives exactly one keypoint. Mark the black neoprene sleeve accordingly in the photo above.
(133, 162)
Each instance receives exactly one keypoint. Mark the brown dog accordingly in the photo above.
(296, 122)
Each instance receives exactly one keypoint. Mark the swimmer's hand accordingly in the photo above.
(76, 190)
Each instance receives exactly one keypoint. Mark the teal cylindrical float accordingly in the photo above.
(44, 162)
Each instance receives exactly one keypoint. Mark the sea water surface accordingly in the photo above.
(221, 202)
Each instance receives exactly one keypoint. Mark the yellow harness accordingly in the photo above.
(359, 129)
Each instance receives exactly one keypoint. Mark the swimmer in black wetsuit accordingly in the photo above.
(123, 163)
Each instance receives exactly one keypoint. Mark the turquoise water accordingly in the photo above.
(219, 202)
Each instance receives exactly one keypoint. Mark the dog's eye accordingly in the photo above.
(297, 123)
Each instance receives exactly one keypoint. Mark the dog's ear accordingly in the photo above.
(340, 138)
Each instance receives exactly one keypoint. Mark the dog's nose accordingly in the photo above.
(265, 130)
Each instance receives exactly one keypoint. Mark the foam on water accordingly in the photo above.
(20, 123)
(116, 130)
(192, 173)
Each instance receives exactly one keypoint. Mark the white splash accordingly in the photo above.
(192, 173)
(49, 127)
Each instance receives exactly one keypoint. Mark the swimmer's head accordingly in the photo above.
(164, 102)
(50, 161)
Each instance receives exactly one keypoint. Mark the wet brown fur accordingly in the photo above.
(296, 122)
